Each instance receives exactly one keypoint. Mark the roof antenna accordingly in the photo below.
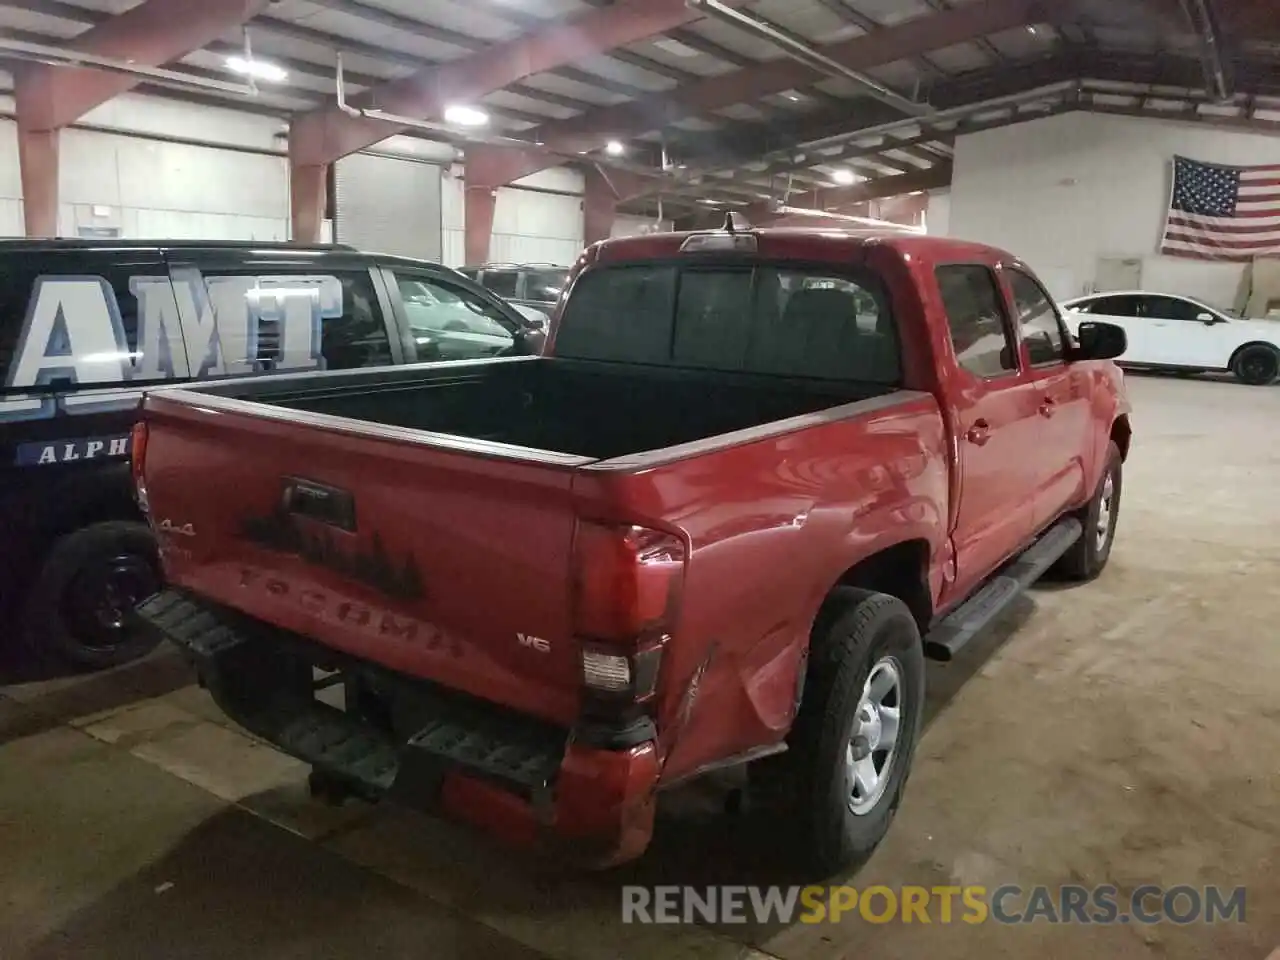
(728, 222)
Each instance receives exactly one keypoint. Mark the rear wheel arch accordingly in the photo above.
(69, 506)
(900, 570)
(106, 505)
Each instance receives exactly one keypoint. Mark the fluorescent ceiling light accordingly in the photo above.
(466, 116)
(614, 148)
(258, 69)
(843, 177)
(675, 48)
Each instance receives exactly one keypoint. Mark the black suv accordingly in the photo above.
(87, 326)
(536, 285)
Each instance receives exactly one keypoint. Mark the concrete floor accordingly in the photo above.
(1127, 732)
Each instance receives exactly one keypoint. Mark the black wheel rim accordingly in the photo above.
(1258, 367)
(99, 602)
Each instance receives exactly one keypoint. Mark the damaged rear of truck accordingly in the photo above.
(709, 527)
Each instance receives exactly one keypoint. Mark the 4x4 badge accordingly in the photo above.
(168, 526)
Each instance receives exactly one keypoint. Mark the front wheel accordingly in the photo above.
(1086, 557)
(1257, 366)
(81, 608)
(838, 785)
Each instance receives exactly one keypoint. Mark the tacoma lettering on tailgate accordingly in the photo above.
(364, 618)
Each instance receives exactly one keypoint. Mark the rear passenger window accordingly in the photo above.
(1115, 307)
(449, 322)
(502, 282)
(1037, 319)
(15, 293)
(284, 321)
(975, 317)
(98, 323)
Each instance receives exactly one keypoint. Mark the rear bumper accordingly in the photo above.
(417, 744)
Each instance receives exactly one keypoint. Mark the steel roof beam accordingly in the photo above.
(151, 34)
(323, 136)
(840, 198)
(902, 41)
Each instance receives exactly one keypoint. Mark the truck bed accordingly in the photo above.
(588, 409)
(424, 518)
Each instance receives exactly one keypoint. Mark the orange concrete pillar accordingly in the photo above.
(308, 189)
(599, 207)
(478, 224)
(38, 162)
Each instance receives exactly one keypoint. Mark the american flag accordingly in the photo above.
(1218, 212)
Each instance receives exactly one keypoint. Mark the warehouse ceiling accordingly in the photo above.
(720, 102)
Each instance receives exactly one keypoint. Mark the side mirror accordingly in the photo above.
(1208, 319)
(1096, 340)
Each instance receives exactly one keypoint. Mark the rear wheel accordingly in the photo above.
(838, 785)
(1257, 366)
(81, 608)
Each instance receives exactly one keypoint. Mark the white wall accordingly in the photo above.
(149, 187)
(529, 225)
(625, 225)
(1063, 191)
(231, 181)
(152, 188)
(937, 215)
(10, 182)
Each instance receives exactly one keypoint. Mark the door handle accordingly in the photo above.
(1047, 407)
(979, 433)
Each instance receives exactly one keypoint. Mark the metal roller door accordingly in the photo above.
(388, 205)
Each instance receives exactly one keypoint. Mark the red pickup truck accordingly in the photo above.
(756, 478)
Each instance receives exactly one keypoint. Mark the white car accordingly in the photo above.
(1177, 333)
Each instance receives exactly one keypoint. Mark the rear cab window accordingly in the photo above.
(770, 318)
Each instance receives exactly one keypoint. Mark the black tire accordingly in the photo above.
(808, 790)
(1089, 554)
(80, 610)
(1257, 366)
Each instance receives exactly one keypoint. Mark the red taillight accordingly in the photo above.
(627, 583)
(137, 462)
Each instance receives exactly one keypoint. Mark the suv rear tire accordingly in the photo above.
(80, 610)
(837, 787)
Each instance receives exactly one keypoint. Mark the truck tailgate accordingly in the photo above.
(445, 561)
